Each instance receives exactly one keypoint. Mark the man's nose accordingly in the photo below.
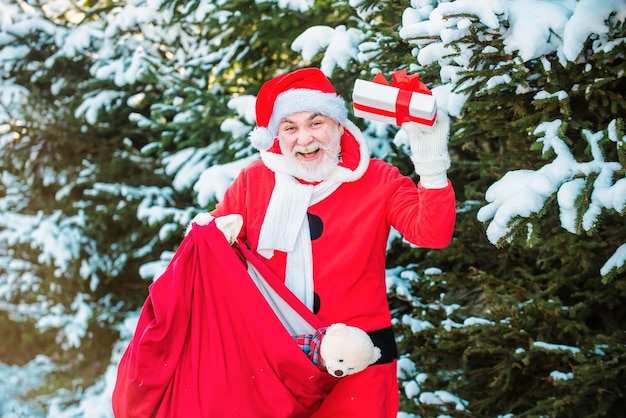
(305, 137)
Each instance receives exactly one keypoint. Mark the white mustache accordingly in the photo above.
(306, 149)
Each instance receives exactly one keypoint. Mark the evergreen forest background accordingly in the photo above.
(121, 120)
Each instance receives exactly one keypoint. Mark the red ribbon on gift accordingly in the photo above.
(407, 85)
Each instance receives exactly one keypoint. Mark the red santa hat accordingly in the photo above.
(306, 89)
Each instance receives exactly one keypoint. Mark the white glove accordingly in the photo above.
(229, 225)
(201, 219)
(429, 151)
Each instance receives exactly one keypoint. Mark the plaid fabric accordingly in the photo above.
(310, 344)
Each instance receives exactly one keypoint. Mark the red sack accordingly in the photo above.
(208, 343)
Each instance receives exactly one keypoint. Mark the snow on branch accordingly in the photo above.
(583, 189)
(342, 45)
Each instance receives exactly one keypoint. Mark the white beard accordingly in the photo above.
(278, 163)
(318, 170)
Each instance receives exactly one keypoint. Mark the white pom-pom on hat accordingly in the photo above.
(261, 138)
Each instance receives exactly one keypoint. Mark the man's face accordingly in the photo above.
(311, 143)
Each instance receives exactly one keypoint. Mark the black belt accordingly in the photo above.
(386, 341)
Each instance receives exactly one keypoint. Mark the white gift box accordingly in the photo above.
(395, 105)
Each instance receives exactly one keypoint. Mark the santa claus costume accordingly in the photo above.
(327, 240)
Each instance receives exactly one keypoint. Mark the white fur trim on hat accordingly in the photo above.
(307, 100)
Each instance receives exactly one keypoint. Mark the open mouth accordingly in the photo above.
(308, 156)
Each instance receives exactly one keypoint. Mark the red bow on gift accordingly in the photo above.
(403, 81)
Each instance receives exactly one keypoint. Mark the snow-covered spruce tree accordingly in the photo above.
(173, 69)
(72, 183)
(539, 156)
(215, 58)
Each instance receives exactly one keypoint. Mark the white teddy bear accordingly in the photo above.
(341, 349)
(346, 350)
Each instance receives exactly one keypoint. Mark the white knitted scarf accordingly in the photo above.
(286, 228)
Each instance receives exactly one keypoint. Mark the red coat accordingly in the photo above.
(349, 234)
(349, 255)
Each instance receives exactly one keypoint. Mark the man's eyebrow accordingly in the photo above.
(313, 116)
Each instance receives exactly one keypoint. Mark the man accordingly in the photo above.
(318, 211)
